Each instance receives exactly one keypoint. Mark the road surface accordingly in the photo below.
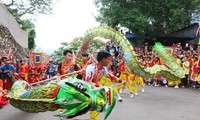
(157, 103)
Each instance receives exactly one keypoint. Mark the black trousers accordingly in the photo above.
(184, 81)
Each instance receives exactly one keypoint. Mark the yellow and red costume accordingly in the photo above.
(135, 79)
(24, 72)
(93, 75)
(83, 66)
(34, 75)
(3, 100)
(194, 71)
(125, 77)
(66, 68)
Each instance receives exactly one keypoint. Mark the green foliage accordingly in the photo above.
(147, 16)
(59, 53)
(31, 39)
(95, 45)
(28, 7)
(29, 27)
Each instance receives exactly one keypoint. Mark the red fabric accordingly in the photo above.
(31, 79)
(55, 92)
(7, 84)
(3, 100)
(195, 69)
(120, 81)
(23, 70)
(1, 84)
(96, 85)
(15, 64)
(122, 67)
(150, 64)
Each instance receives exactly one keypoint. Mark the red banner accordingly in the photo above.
(38, 59)
(171, 49)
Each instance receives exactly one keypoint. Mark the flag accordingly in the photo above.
(10, 53)
(35, 59)
(198, 34)
(45, 59)
(171, 50)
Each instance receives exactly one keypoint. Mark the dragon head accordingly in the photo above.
(78, 97)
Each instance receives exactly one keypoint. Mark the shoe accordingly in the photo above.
(136, 94)
(120, 99)
(166, 86)
(176, 87)
(143, 90)
(193, 87)
(182, 86)
(131, 96)
(61, 118)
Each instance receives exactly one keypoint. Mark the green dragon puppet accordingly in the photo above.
(74, 96)
(172, 72)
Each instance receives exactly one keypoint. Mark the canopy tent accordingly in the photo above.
(132, 39)
(189, 34)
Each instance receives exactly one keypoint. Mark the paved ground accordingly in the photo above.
(157, 103)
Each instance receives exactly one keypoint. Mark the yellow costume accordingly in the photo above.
(174, 83)
(136, 79)
(198, 79)
(125, 77)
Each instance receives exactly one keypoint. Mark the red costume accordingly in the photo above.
(34, 75)
(3, 100)
(65, 68)
(24, 72)
(194, 70)
(83, 66)
(43, 75)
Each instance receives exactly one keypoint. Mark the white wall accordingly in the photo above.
(8, 21)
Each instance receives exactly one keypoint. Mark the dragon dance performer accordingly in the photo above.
(85, 62)
(135, 79)
(139, 79)
(125, 77)
(108, 78)
(148, 63)
(94, 74)
(67, 66)
(176, 83)
(156, 80)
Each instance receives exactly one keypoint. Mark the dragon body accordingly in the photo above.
(172, 72)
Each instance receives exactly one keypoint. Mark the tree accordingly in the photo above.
(147, 16)
(95, 45)
(29, 27)
(28, 9)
